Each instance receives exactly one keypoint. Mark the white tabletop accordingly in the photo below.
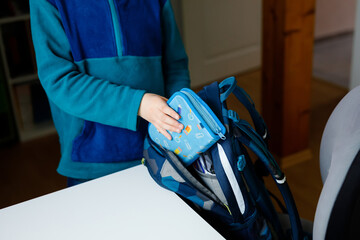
(124, 205)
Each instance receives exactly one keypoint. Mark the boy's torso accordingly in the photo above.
(112, 28)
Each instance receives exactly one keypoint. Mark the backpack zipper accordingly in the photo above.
(206, 115)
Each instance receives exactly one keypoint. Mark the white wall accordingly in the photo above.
(333, 17)
(222, 38)
(177, 8)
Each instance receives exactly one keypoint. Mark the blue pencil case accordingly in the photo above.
(201, 130)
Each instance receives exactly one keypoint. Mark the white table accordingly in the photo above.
(124, 205)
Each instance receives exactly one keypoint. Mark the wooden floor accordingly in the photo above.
(28, 170)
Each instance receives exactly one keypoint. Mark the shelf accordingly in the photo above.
(38, 130)
(24, 79)
(12, 19)
(28, 101)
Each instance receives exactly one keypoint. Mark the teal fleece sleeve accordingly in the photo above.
(74, 92)
(175, 60)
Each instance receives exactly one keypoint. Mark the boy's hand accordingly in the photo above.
(155, 110)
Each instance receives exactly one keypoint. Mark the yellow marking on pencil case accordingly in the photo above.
(178, 151)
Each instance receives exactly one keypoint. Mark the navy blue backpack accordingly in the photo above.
(223, 185)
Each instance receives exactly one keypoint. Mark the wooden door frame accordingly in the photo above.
(287, 52)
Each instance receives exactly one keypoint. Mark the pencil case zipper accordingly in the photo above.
(205, 114)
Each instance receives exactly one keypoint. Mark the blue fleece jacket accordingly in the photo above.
(96, 59)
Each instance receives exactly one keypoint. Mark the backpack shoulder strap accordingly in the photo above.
(229, 86)
(250, 138)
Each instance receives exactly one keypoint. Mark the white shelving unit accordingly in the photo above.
(30, 129)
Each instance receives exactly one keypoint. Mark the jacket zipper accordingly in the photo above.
(117, 28)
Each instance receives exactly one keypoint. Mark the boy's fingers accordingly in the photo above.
(164, 132)
(172, 128)
(169, 111)
(171, 124)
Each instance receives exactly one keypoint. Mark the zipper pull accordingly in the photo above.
(221, 135)
(241, 163)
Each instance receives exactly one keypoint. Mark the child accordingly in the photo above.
(104, 63)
